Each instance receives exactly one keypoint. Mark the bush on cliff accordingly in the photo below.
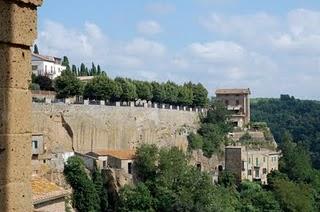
(85, 197)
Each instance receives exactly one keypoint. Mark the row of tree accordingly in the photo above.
(101, 87)
(105, 88)
(82, 70)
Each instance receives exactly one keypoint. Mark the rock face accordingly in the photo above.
(85, 128)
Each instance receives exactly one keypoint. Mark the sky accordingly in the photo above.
(270, 46)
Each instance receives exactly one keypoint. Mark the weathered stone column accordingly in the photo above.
(18, 21)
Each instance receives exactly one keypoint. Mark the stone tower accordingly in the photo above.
(18, 21)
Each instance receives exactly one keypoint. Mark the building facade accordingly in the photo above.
(105, 159)
(251, 164)
(238, 103)
(47, 66)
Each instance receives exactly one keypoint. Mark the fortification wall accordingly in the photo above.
(94, 127)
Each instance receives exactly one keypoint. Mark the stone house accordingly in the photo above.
(47, 196)
(114, 159)
(237, 101)
(251, 164)
(47, 66)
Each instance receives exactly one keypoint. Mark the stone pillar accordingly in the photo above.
(102, 102)
(131, 104)
(178, 108)
(155, 105)
(118, 104)
(18, 30)
(86, 102)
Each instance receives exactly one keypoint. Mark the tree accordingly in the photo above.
(82, 71)
(65, 62)
(35, 49)
(68, 85)
(254, 198)
(185, 95)
(99, 70)
(136, 198)
(128, 89)
(44, 82)
(99, 88)
(200, 95)
(195, 141)
(145, 162)
(99, 186)
(227, 179)
(85, 196)
(296, 162)
(144, 90)
(171, 93)
(286, 193)
(93, 70)
(74, 70)
(158, 92)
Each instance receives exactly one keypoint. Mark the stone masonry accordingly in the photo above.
(18, 21)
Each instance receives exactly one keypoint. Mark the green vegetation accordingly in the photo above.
(212, 134)
(301, 118)
(67, 85)
(168, 183)
(88, 193)
(102, 87)
(41, 83)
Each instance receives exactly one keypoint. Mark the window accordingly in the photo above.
(257, 161)
(243, 166)
(249, 172)
(34, 144)
(104, 164)
(264, 159)
(226, 102)
(264, 171)
(34, 68)
(257, 173)
(249, 160)
(275, 158)
(45, 68)
(130, 168)
(237, 102)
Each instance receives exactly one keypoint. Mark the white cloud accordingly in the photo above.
(218, 52)
(160, 8)
(149, 27)
(270, 54)
(145, 48)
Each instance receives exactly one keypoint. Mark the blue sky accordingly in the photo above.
(271, 46)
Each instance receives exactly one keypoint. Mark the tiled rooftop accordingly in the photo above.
(43, 190)
(121, 154)
(233, 91)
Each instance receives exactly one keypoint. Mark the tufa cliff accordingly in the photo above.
(85, 128)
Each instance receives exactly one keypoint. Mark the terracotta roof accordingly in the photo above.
(43, 190)
(233, 91)
(121, 154)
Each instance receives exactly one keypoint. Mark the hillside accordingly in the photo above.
(301, 118)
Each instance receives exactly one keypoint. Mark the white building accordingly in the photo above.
(47, 66)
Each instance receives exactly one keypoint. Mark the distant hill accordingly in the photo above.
(301, 118)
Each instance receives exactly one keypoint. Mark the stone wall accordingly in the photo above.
(87, 128)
